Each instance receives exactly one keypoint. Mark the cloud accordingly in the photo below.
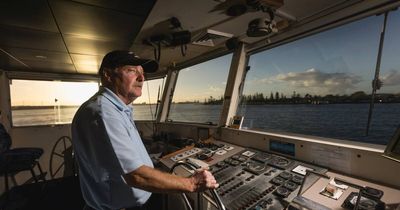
(312, 78)
(267, 80)
(392, 78)
(214, 89)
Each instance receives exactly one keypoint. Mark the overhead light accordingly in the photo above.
(41, 56)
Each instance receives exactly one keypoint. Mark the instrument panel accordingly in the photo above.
(257, 180)
(249, 179)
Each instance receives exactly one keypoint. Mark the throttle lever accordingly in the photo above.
(213, 192)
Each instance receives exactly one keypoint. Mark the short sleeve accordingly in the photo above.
(124, 147)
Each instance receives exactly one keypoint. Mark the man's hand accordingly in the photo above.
(203, 180)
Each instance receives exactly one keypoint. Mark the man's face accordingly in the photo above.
(128, 82)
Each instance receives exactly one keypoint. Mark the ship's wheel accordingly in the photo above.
(61, 158)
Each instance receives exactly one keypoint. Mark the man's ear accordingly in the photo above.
(108, 73)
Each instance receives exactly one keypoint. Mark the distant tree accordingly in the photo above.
(259, 97)
(358, 96)
(277, 96)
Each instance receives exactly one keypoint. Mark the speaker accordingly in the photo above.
(260, 27)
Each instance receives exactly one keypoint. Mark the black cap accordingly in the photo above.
(118, 58)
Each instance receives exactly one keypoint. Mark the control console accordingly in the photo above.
(257, 180)
(249, 179)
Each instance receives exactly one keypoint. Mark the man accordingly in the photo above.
(115, 170)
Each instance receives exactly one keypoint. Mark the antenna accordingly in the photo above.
(376, 82)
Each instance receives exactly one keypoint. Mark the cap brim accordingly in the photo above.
(149, 66)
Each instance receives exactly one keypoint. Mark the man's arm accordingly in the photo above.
(153, 180)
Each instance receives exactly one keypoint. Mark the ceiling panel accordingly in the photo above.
(31, 39)
(40, 55)
(138, 7)
(95, 23)
(54, 67)
(27, 14)
(87, 69)
(6, 62)
(87, 64)
(87, 46)
(87, 59)
(66, 36)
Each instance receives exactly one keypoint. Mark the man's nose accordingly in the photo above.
(140, 77)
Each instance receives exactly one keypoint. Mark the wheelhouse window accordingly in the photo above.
(146, 106)
(199, 92)
(36, 102)
(321, 85)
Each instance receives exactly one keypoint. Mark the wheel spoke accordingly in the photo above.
(58, 154)
(61, 146)
(65, 144)
(59, 168)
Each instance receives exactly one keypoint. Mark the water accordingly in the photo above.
(43, 116)
(341, 121)
(195, 113)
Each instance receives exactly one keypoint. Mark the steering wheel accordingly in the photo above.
(213, 192)
(61, 158)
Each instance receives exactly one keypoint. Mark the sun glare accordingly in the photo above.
(48, 93)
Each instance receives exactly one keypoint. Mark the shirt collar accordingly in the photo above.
(111, 96)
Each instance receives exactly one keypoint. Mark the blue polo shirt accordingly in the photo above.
(107, 145)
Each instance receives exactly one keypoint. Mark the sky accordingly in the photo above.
(337, 61)
(201, 81)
